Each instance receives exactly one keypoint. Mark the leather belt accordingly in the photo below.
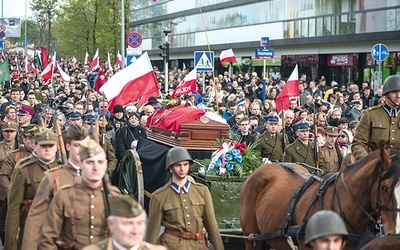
(185, 235)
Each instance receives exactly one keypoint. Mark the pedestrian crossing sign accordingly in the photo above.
(204, 61)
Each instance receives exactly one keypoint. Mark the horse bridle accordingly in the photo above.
(379, 207)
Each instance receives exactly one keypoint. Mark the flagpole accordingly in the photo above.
(122, 34)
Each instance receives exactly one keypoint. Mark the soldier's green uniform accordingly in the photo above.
(25, 180)
(77, 212)
(5, 150)
(297, 152)
(272, 145)
(183, 211)
(53, 180)
(379, 125)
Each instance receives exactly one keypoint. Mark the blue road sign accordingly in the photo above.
(264, 53)
(25, 42)
(131, 58)
(2, 44)
(264, 42)
(380, 52)
(134, 39)
(204, 60)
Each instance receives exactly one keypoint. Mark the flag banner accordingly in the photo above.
(227, 56)
(118, 61)
(47, 73)
(128, 85)
(96, 61)
(109, 62)
(188, 85)
(64, 76)
(290, 90)
(87, 59)
(4, 71)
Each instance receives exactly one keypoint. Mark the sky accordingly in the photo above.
(15, 8)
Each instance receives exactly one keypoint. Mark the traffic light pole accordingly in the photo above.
(166, 67)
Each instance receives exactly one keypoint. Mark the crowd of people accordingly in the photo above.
(45, 204)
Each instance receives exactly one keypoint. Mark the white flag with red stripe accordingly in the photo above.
(47, 73)
(64, 76)
(96, 61)
(131, 83)
(227, 56)
(109, 62)
(25, 65)
(118, 61)
(87, 59)
(188, 84)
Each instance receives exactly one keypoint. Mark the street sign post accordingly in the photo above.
(204, 62)
(264, 42)
(264, 53)
(134, 39)
(131, 58)
(379, 52)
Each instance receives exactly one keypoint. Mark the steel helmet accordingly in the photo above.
(177, 154)
(323, 223)
(391, 83)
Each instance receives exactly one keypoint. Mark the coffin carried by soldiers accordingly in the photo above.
(191, 128)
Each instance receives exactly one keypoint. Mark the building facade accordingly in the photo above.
(333, 38)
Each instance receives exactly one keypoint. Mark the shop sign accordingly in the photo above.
(340, 60)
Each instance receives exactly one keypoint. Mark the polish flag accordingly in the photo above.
(87, 59)
(63, 75)
(227, 56)
(25, 65)
(188, 84)
(118, 61)
(289, 91)
(96, 62)
(128, 85)
(33, 69)
(109, 62)
(47, 73)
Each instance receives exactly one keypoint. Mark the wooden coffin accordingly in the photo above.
(194, 135)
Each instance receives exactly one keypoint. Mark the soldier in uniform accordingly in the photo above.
(302, 150)
(76, 216)
(7, 168)
(326, 230)
(127, 225)
(88, 122)
(379, 125)
(271, 142)
(330, 151)
(26, 177)
(52, 181)
(183, 207)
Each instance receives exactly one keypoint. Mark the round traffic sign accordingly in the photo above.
(134, 39)
(380, 52)
(2, 34)
(2, 28)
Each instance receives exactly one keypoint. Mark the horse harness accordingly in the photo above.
(298, 231)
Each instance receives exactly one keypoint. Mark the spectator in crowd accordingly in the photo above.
(343, 123)
(244, 131)
(354, 111)
(367, 98)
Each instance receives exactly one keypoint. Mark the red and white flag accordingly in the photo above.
(64, 76)
(109, 62)
(128, 85)
(227, 56)
(87, 59)
(290, 90)
(96, 61)
(25, 65)
(118, 61)
(188, 84)
(33, 69)
(47, 73)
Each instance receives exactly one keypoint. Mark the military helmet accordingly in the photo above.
(391, 83)
(324, 223)
(177, 154)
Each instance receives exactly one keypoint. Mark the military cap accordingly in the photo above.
(74, 115)
(302, 126)
(45, 136)
(92, 148)
(332, 131)
(90, 118)
(125, 206)
(272, 118)
(9, 126)
(25, 110)
(29, 130)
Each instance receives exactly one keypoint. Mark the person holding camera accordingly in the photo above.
(354, 111)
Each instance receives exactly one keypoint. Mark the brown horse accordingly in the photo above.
(366, 191)
(389, 242)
